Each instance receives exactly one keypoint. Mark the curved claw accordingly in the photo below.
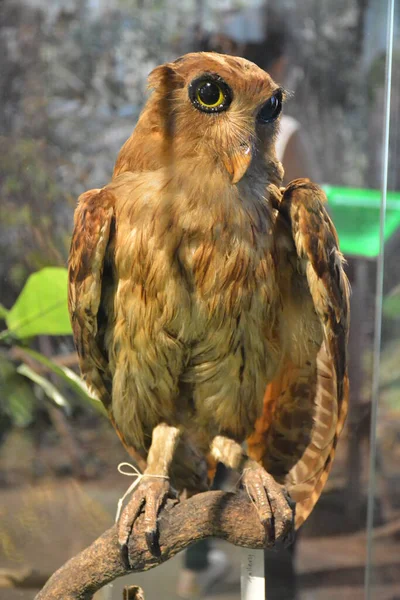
(149, 496)
(152, 542)
(271, 501)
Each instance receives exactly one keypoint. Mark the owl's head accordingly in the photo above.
(214, 111)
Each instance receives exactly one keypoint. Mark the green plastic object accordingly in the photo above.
(356, 215)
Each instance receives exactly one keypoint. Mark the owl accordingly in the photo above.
(209, 305)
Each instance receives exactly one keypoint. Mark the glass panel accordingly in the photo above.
(383, 573)
(73, 83)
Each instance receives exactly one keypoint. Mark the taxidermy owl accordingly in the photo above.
(209, 305)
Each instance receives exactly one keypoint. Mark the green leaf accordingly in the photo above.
(41, 308)
(3, 312)
(70, 378)
(20, 402)
(49, 389)
(391, 304)
(17, 398)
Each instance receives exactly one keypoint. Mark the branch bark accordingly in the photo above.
(226, 515)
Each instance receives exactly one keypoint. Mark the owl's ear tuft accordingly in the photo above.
(164, 78)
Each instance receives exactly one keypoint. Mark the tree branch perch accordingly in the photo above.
(226, 515)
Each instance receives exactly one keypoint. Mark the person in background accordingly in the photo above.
(260, 35)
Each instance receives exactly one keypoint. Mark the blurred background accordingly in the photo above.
(72, 84)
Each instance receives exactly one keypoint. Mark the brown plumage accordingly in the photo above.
(196, 283)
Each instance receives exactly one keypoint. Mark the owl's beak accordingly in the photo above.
(237, 161)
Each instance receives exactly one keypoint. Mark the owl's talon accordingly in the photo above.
(272, 502)
(125, 556)
(149, 498)
(270, 528)
(289, 539)
(153, 543)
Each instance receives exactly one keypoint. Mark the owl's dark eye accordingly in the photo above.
(210, 93)
(271, 109)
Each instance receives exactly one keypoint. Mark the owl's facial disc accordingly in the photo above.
(209, 93)
(238, 159)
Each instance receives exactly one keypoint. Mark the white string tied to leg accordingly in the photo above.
(133, 472)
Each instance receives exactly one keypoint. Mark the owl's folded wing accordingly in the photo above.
(90, 279)
(92, 224)
(306, 405)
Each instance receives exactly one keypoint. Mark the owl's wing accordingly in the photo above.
(90, 279)
(306, 405)
(92, 225)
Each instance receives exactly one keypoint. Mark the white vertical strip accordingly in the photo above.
(252, 581)
(378, 303)
(106, 593)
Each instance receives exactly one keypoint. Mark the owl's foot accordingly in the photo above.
(148, 497)
(271, 501)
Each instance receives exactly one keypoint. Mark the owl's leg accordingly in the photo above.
(152, 491)
(270, 499)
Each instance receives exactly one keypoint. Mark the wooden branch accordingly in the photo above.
(226, 515)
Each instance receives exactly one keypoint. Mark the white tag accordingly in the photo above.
(252, 581)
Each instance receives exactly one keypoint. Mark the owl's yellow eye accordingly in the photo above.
(210, 93)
